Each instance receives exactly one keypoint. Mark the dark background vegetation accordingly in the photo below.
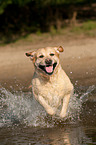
(22, 17)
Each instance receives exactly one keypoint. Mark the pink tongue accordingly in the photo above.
(49, 69)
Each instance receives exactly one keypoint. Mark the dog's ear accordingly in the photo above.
(59, 49)
(31, 54)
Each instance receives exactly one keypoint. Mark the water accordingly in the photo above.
(24, 121)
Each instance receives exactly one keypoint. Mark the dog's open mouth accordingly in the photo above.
(48, 69)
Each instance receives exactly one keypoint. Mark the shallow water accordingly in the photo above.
(24, 121)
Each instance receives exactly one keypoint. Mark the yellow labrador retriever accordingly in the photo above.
(50, 85)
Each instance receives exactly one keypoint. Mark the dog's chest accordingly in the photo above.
(52, 92)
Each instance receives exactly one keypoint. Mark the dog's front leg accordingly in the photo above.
(65, 106)
(47, 107)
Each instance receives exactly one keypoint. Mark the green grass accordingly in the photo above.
(88, 28)
(89, 25)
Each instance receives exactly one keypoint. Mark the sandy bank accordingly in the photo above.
(78, 61)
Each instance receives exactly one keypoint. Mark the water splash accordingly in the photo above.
(77, 100)
(84, 96)
(20, 107)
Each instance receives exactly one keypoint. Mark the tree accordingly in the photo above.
(5, 3)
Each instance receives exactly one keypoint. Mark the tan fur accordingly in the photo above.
(51, 91)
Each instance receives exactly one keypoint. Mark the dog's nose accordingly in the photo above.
(48, 61)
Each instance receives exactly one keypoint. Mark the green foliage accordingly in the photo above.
(3, 5)
(88, 28)
(59, 2)
(53, 30)
(38, 32)
(40, 3)
(89, 25)
(21, 2)
(22, 17)
(65, 2)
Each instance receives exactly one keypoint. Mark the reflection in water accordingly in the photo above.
(59, 135)
(23, 120)
(72, 135)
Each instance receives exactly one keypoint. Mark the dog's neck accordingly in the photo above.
(49, 78)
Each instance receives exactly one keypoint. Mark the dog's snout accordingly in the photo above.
(48, 61)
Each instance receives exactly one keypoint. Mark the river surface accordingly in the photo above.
(24, 122)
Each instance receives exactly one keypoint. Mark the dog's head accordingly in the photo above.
(46, 60)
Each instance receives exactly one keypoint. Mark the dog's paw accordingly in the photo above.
(50, 111)
(62, 115)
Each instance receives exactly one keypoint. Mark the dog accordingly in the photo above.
(51, 86)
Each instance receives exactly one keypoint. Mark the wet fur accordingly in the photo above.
(51, 91)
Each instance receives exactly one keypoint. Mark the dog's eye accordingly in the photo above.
(51, 54)
(41, 56)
